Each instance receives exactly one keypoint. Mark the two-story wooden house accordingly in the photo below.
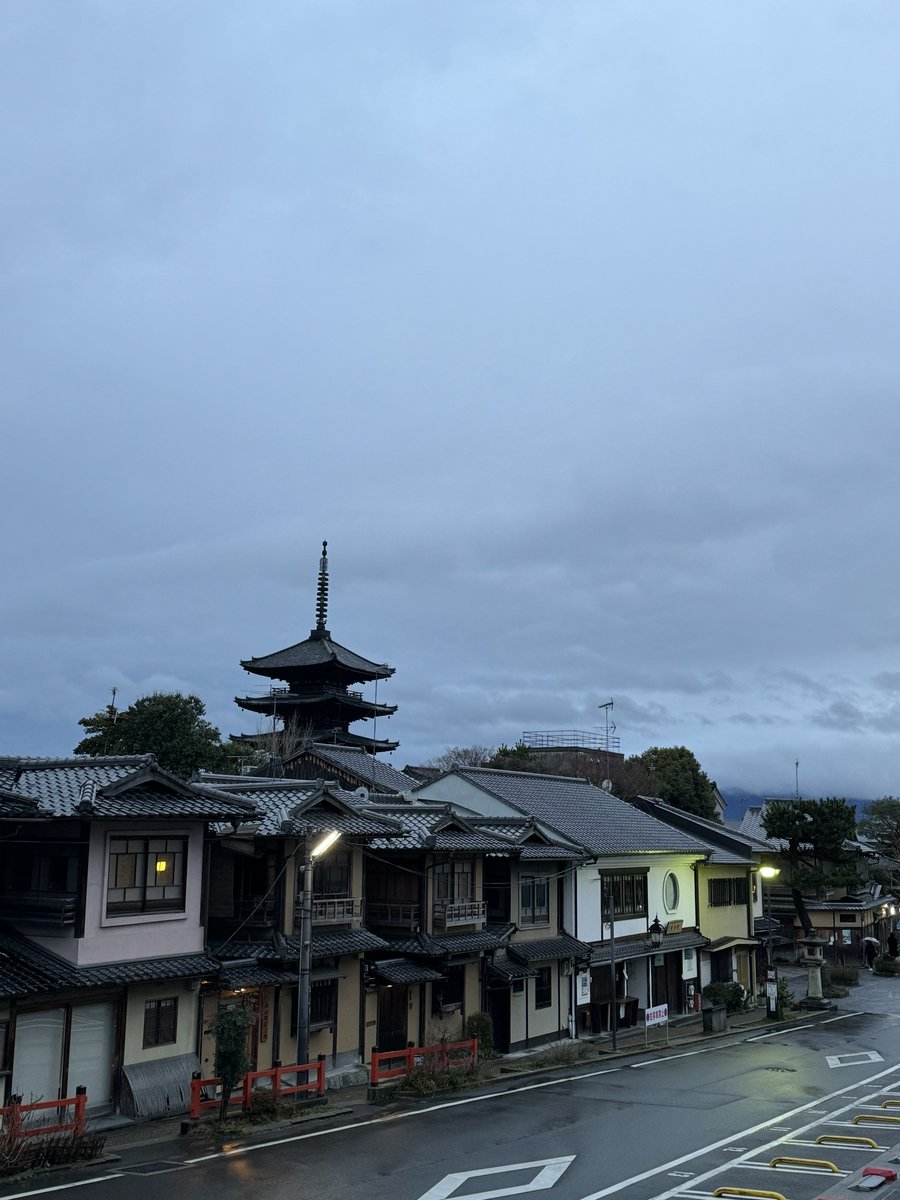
(102, 942)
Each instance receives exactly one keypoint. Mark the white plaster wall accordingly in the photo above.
(122, 939)
(686, 908)
(454, 790)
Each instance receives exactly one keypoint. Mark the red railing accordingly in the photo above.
(445, 1054)
(279, 1089)
(15, 1114)
(200, 1097)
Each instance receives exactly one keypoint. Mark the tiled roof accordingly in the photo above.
(401, 970)
(131, 786)
(597, 820)
(640, 948)
(440, 945)
(368, 769)
(436, 827)
(12, 805)
(544, 851)
(316, 652)
(727, 844)
(246, 975)
(751, 825)
(27, 969)
(507, 970)
(562, 946)
(306, 806)
(287, 949)
(720, 857)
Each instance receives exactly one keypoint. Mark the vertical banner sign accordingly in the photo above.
(583, 987)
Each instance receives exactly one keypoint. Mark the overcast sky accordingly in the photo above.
(571, 326)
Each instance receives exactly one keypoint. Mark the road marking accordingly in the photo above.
(761, 1037)
(769, 1125)
(61, 1187)
(551, 1170)
(857, 1059)
(682, 1174)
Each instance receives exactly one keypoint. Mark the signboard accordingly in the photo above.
(657, 1016)
(583, 987)
(674, 927)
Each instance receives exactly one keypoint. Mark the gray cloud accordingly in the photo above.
(572, 327)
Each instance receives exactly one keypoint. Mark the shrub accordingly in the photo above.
(886, 966)
(732, 995)
(479, 1025)
(429, 1079)
(563, 1054)
(840, 975)
(785, 999)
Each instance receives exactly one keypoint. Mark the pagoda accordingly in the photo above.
(316, 701)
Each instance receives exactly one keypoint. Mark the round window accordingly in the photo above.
(670, 892)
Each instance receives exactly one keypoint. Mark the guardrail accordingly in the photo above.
(243, 1094)
(445, 1054)
(15, 1114)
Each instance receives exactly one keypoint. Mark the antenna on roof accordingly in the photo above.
(606, 710)
(322, 592)
(797, 779)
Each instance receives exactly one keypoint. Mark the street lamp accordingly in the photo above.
(770, 873)
(303, 979)
(656, 936)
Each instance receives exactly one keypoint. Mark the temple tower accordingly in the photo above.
(316, 701)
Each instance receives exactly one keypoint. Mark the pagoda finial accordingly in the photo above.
(322, 592)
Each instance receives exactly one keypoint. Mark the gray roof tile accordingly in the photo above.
(401, 970)
(563, 946)
(316, 652)
(602, 823)
(368, 769)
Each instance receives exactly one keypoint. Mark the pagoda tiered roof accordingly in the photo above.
(318, 672)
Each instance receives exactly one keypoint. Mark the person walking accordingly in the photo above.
(892, 943)
(871, 952)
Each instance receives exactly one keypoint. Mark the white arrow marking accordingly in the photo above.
(551, 1170)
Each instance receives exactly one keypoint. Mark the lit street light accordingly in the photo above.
(769, 874)
(303, 980)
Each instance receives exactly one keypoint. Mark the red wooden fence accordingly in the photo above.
(15, 1114)
(279, 1088)
(444, 1054)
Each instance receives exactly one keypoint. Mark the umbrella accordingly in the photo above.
(871, 939)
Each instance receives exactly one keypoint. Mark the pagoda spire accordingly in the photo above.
(322, 595)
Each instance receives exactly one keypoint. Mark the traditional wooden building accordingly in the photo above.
(317, 701)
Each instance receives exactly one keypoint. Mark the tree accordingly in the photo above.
(230, 1031)
(674, 775)
(461, 756)
(167, 724)
(881, 825)
(515, 758)
(815, 836)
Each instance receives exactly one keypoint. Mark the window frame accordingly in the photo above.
(543, 988)
(157, 1022)
(728, 891)
(145, 907)
(629, 894)
(537, 912)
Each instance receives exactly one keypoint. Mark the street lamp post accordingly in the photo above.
(770, 873)
(303, 978)
(656, 937)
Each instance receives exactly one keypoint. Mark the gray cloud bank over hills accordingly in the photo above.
(572, 327)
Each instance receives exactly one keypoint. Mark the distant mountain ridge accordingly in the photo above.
(739, 800)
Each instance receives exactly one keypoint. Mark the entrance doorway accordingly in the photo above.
(393, 1007)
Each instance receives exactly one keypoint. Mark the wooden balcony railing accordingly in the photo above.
(40, 908)
(334, 910)
(382, 915)
(448, 913)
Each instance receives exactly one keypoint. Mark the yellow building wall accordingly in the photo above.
(186, 1021)
(732, 920)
